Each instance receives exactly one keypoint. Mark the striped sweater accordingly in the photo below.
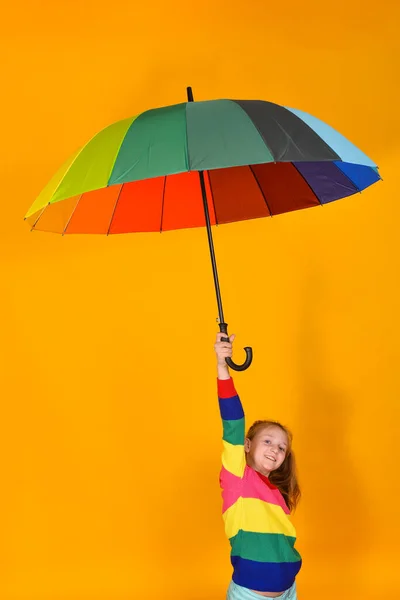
(256, 517)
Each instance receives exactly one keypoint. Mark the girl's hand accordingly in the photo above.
(223, 349)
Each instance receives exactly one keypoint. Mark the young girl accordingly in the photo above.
(259, 489)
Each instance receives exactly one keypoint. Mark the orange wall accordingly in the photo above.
(110, 437)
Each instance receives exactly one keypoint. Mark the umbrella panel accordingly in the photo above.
(175, 201)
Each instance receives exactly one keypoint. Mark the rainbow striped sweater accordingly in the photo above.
(257, 520)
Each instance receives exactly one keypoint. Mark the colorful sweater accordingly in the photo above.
(255, 514)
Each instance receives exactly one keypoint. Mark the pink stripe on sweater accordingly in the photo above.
(250, 486)
(231, 488)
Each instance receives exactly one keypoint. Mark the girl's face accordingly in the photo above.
(267, 450)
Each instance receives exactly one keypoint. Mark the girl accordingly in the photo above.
(259, 489)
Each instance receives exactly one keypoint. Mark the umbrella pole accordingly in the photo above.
(210, 241)
(223, 327)
(212, 253)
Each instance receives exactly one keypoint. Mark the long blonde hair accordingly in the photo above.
(284, 478)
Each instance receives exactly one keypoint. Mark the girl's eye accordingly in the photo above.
(267, 441)
(283, 449)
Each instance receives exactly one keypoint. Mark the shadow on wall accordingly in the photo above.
(332, 509)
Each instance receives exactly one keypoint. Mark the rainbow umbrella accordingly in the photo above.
(201, 164)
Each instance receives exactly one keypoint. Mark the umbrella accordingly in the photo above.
(201, 164)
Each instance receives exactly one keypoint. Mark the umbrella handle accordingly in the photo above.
(223, 327)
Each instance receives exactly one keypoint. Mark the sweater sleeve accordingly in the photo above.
(233, 423)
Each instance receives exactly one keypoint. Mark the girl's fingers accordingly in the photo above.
(224, 349)
(221, 349)
(224, 352)
(223, 357)
(221, 335)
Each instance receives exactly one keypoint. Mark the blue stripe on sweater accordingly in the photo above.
(231, 408)
(264, 576)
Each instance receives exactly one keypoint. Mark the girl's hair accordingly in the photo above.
(284, 478)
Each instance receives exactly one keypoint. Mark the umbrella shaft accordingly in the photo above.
(211, 245)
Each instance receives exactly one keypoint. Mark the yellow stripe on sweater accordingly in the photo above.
(233, 458)
(251, 514)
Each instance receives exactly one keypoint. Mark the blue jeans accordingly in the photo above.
(236, 592)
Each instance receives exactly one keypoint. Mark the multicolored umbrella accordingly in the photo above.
(201, 164)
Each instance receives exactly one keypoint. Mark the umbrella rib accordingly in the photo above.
(115, 208)
(71, 215)
(261, 190)
(358, 191)
(162, 202)
(212, 197)
(37, 220)
(302, 176)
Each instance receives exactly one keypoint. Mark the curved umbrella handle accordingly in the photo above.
(223, 327)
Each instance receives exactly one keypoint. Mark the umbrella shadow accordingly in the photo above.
(333, 508)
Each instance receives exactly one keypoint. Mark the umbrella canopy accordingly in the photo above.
(201, 163)
(259, 159)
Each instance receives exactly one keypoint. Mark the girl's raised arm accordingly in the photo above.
(232, 414)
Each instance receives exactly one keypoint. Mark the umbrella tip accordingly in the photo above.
(189, 94)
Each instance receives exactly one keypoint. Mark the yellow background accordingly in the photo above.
(110, 436)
